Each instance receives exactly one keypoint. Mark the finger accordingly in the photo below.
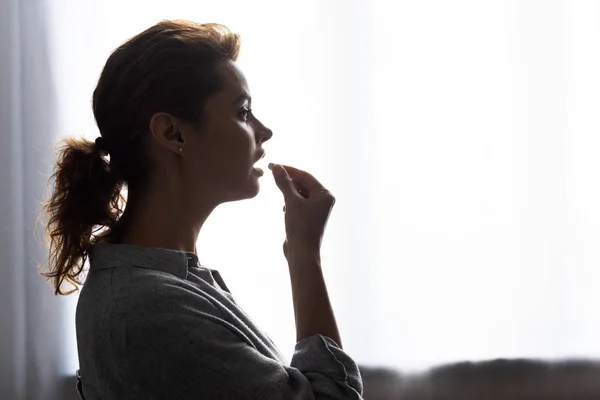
(304, 182)
(301, 191)
(284, 182)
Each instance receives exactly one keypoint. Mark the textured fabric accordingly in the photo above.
(155, 324)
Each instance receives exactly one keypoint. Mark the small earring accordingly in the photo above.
(180, 149)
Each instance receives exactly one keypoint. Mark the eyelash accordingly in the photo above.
(244, 112)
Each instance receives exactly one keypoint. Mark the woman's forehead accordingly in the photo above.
(233, 79)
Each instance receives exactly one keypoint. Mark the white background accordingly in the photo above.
(459, 137)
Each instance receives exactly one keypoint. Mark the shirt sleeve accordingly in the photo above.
(203, 357)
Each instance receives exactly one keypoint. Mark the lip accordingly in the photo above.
(261, 155)
(258, 171)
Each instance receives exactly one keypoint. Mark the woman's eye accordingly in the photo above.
(244, 112)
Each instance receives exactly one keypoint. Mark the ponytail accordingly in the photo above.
(86, 197)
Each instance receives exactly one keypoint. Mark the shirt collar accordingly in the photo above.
(106, 255)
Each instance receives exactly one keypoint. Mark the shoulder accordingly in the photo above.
(139, 291)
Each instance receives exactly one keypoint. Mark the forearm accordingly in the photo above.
(312, 308)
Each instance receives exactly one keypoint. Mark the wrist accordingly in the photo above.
(302, 253)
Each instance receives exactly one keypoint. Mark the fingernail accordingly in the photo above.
(271, 165)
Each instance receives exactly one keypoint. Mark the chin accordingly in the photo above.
(253, 188)
(249, 190)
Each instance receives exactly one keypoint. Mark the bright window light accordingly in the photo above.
(459, 137)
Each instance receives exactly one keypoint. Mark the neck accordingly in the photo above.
(162, 218)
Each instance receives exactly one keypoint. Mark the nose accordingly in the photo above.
(265, 134)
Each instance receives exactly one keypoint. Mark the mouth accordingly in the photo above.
(257, 170)
(261, 155)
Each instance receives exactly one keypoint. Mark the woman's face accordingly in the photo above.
(220, 157)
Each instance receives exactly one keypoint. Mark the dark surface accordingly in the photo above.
(489, 380)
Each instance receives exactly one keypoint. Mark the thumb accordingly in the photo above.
(283, 180)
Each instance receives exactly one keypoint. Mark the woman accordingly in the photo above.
(177, 131)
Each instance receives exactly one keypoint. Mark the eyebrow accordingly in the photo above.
(243, 96)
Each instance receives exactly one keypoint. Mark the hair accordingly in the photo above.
(170, 67)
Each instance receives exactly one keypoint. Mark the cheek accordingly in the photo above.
(231, 164)
(229, 156)
(240, 147)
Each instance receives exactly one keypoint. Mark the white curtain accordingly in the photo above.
(460, 138)
(32, 335)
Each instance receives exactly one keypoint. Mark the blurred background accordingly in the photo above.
(459, 137)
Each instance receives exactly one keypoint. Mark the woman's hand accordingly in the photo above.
(307, 207)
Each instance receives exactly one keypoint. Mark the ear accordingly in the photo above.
(168, 131)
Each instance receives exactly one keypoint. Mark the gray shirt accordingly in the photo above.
(155, 324)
